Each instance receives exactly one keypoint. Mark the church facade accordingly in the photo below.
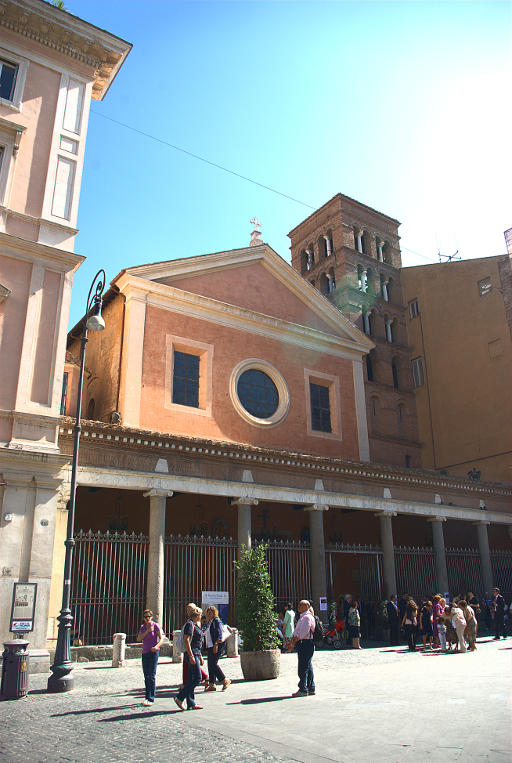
(225, 406)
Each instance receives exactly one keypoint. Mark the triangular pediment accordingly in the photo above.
(258, 280)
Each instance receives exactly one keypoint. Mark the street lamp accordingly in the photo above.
(62, 678)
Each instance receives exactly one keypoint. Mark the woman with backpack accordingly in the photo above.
(193, 638)
(214, 645)
(204, 674)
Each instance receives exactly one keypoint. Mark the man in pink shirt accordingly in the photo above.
(302, 640)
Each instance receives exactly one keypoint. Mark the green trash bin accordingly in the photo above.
(15, 669)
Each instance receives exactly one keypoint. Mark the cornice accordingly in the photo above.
(22, 247)
(243, 319)
(68, 35)
(119, 436)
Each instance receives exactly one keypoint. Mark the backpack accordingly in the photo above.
(318, 633)
(180, 640)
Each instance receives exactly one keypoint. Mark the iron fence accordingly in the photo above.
(501, 562)
(108, 590)
(290, 571)
(415, 570)
(464, 571)
(194, 564)
(108, 585)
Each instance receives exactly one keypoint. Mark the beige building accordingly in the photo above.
(51, 65)
(459, 317)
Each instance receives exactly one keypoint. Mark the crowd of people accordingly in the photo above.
(434, 623)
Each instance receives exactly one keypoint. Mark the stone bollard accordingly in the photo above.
(176, 654)
(119, 650)
(232, 644)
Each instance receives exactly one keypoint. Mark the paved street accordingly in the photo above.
(378, 704)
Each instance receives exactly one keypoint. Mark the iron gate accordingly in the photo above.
(501, 562)
(415, 570)
(369, 560)
(194, 564)
(108, 585)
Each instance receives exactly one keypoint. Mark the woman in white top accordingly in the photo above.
(459, 623)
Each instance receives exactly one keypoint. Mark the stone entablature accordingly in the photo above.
(120, 441)
(68, 35)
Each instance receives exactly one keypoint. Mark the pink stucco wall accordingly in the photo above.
(230, 346)
(15, 275)
(254, 287)
(38, 114)
(44, 354)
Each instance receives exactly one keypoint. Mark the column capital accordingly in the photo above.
(481, 523)
(245, 501)
(436, 519)
(389, 514)
(317, 507)
(156, 491)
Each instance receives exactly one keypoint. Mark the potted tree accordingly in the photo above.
(260, 657)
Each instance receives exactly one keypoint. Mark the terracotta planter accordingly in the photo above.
(260, 666)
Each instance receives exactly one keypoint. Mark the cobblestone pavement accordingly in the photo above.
(378, 704)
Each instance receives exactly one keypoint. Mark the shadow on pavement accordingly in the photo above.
(134, 716)
(259, 700)
(93, 710)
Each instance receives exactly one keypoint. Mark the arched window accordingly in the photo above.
(395, 369)
(90, 409)
(324, 284)
(332, 281)
(386, 252)
(361, 278)
(313, 283)
(303, 261)
(380, 254)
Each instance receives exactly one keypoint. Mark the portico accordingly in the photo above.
(255, 484)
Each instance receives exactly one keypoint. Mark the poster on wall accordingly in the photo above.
(219, 599)
(23, 607)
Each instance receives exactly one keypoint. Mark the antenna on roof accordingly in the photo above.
(448, 257)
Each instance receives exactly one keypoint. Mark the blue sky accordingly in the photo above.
(405, 106)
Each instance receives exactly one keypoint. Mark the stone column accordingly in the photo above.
(388, 553)
(244, 521)
(441, 569)
(155, 579)
(485, 556)
(318, 576)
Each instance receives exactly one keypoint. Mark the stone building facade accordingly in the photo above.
(188, 465)
(52, 64)
(459, 317)
(351, 254)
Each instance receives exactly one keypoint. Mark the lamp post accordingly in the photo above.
(62, 678)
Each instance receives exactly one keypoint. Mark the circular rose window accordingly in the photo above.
(259, 392)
